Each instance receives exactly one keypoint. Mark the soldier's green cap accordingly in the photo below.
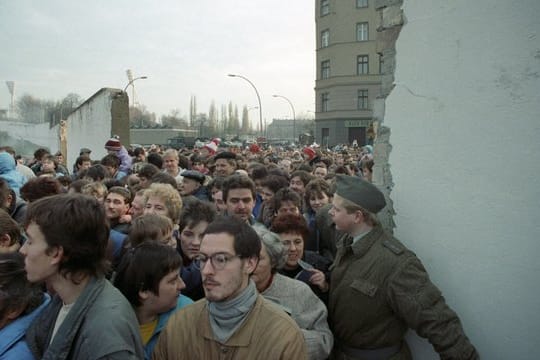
(361, 192)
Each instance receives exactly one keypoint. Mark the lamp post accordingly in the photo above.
(131, 83)
(258, 98)
(293, 114)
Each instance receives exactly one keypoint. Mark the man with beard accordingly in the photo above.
(228, 321)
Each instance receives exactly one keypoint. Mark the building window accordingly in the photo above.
(380, 64)
(325, 38)
(325, 69)
(325, 7)
(361, 3)
(325, 135)
(324, 102)
(362, 65)
(362, 33)
(363, 99)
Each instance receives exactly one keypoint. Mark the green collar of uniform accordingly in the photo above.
(360, 248)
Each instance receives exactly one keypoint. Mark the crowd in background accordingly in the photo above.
(159, 205)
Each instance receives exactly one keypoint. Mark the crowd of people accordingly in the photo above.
(208, 253)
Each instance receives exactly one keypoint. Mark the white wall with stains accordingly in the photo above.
(465, 129)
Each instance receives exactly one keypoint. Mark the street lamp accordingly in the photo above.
(132, 81)
(293, 114)
(258, 98)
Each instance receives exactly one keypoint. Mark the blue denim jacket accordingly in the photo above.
(12, 340)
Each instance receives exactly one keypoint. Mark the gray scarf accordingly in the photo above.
(226, 317)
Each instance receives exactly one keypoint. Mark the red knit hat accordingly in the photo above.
(113, 144)
(211, 147)
(254, 148)
(309, 152)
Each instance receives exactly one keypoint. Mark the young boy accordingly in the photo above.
(149, 277)
(87, 317)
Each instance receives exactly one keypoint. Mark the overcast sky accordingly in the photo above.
(54, 47)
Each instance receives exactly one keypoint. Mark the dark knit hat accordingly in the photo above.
(194, 174)
(113, 144)
(362, 193)
(85, 151)
(225, 155)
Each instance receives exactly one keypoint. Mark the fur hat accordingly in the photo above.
(113, 144)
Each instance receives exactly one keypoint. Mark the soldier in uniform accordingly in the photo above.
(387, 285)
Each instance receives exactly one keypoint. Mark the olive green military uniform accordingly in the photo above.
(378, 289)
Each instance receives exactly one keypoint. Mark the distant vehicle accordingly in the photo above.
(180, 142)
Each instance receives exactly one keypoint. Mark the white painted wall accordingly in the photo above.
(465, 125)
(90, 126)
(40, 134)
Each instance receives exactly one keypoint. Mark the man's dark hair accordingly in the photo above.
(164, 178)
(143, 267)
(155, 159)
(277, 171)
(196, 212)
(38, 154)
(40, 187)
(275, 182)
(148, 170)
(246, 241)
(10, 227)
(286, 194)
(304, 176)
(17, 292)
(237, 182)
(111, 160)
(217, 183)
(122, 191)
(258, 171)
(183, 161)
(78, 224)
(81, 159)
(4, 193)
(138, 151)
(96, 172)
(78, 184)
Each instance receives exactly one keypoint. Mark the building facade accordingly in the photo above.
(348, 71)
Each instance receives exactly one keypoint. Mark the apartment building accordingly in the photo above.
(348, 70)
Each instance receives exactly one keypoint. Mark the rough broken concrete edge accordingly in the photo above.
(392, 20)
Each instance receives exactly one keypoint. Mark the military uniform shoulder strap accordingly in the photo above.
(394, 246)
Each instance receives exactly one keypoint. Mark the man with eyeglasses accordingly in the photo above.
(233, 321)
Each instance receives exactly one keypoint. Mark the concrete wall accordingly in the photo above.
(464, 153)
(25, 138)
(104, 114)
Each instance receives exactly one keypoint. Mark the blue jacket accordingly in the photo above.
(162, 322)
(9, 173)
(12, 340)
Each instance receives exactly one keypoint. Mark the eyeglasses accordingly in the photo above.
(218, 260)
